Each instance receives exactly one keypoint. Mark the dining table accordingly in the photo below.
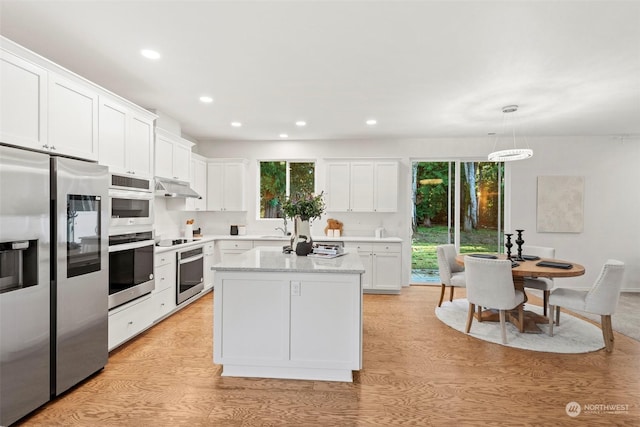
(527, 267)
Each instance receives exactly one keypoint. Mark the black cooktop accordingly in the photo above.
(170, 242)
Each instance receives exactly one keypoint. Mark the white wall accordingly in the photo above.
(611, 169)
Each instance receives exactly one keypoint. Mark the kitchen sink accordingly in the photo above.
(279, 237)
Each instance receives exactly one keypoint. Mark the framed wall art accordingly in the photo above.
(560, 205)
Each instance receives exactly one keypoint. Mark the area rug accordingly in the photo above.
(572, 336)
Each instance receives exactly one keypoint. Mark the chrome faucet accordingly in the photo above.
(284, 230)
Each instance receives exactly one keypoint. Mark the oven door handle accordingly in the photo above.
(132, 245)
(190, 259)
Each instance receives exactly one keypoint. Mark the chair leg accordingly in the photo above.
(545, 301)
(451, 294)
(472, 308)
(441, 295)
(479, 313)
(503, 326)
(557, 316)
(521, 317)
(607, 332)
(551, 310)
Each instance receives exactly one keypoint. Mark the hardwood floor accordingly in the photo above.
(417, 371)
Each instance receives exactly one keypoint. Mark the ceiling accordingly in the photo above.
(423, 69)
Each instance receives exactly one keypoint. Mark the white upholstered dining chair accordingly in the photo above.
(543, 284)
(490, 284)
(601, 299)
(451, 273)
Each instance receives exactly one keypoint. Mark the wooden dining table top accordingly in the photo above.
(530, 269)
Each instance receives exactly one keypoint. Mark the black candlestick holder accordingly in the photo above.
(508, 244)
(519, 242)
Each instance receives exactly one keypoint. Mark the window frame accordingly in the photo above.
(288, 184)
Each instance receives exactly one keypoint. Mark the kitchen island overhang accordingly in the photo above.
(281, 315)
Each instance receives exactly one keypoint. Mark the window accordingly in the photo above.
(279, 179)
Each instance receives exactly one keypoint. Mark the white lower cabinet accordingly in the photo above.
(165, 271)
(129, 320)
(230, 248)
(301, 325)
(209, 260)
(383, 266)
(164, 294)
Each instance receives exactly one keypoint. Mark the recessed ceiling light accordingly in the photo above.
(284, 135)
(372, 122)
(236, 124)
(150, 54)
(206, 99)
(301, 123)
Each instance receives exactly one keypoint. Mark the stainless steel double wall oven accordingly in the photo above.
(131, 243)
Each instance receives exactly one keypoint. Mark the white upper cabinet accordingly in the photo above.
(198, 184)
(225, 185)
(140, 145)
(112, 135)
(385, 187)
(23, 102)
(41, 110)
(125, 139)
(337, 188)
(73, 118)
(173, 156)
(362, 186)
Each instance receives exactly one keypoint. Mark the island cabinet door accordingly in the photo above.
(326, 322)
(254, 322)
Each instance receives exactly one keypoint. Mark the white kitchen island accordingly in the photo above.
(286, 316)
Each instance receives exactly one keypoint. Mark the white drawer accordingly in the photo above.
(235, 244)
(165, 258)
(208, 248)
(129, 322)
(165, 277)
(359, 246)
(164, 302)
(387, 247)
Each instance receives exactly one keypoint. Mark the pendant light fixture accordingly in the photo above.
(514, 153)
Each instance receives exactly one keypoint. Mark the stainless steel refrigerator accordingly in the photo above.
(54, 277)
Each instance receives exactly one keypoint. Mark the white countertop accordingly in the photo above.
(257, 237)
(195, 242)
(315, 238)
(271, 259)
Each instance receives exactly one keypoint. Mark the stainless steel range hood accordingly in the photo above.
(168, 188)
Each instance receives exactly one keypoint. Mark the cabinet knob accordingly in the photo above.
(45, 146)
(162, 278)
(53, 147)
(130, 322)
